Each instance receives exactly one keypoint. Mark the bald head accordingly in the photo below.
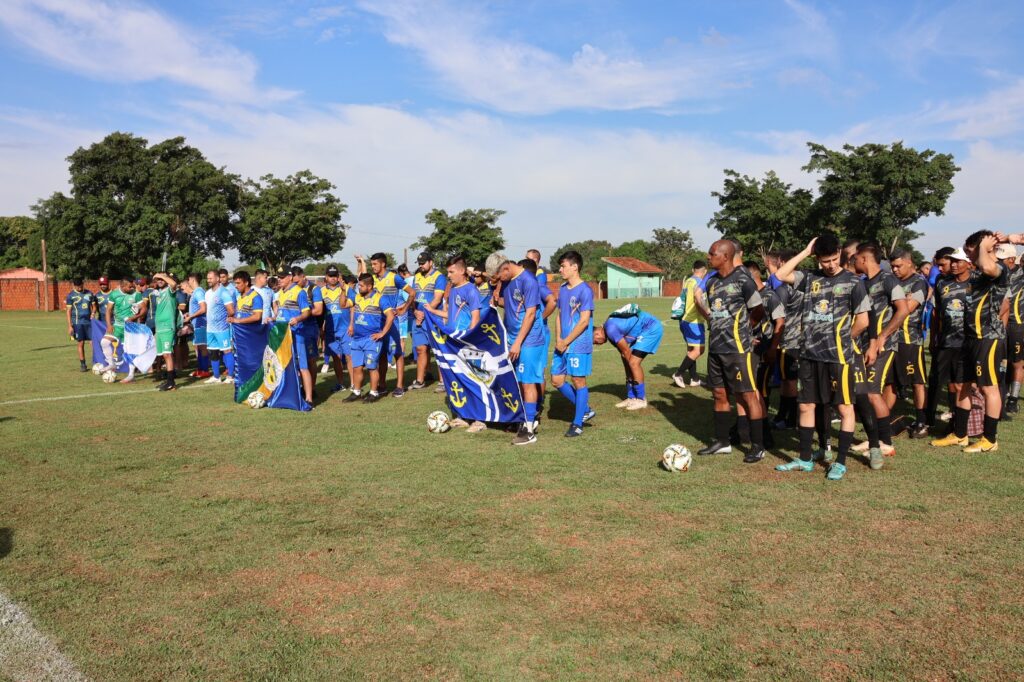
(721, 256)
(724, 248)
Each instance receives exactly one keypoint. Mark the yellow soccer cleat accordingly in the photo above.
(983, 445)
(949, 441)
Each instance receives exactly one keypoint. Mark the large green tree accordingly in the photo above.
(132, 205)
(640, 249)
(20, 238)
(592, 251)
(284, 221)
(473, 234)
(763, 215)
(876, 191)
(672, 251)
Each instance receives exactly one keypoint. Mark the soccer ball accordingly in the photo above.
(109, 377)
(256, 400)
(97, 369)
(438, 422)
(676, 458)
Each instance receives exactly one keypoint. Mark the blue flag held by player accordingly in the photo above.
(480, 381)
(264, 362)
(99, 328)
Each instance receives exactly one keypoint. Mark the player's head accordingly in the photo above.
(754, 268)
(332, 275)
(298, 275)
(274, 282)
(425, 262)
(721, 254)
(737, 257)
(700, 268)
(902, 262)
(972, 243)
(529, 265)
(104, 284)
(456, 267)
(599, 335)
(534, 255)
(868, 258)
(958, 262)
(365, 284)
(242, 281)
(941, 259)
(78, 283)
(379, 263)
(403, 270)
(223, 275)
(828, 254)
(350, 279)
(772, 261)
(212, 278)
(260, 278)
(507, 270)
(569, 264)
(1007, 254)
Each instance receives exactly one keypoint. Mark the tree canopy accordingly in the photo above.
(20, 243)
(763, 215)
(473, 234)
(285, 221)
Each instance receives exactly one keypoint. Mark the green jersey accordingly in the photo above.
(123, 303)
(165, 316)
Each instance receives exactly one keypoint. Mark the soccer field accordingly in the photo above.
(180, 536)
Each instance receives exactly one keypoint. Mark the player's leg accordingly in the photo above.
(636, 372)
(812, 393)
(989, 358)
(720, 411)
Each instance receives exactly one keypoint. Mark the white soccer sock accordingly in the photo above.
(108, 351)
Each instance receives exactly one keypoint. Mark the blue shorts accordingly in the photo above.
(366, 352)
(394, 341)
(649, 343)
(298, 350)
(693, 333)
(573, 364)
(530, 368)
(199, 336)
(82, 331)
(218, 340)
(338, 347)
(420, 336)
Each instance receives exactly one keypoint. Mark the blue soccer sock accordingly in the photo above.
(216, 366)
(204, 363)
(229, 362)
(568, 391)
(531, 412)
(582, 406)
(639, 392)
(630, 393)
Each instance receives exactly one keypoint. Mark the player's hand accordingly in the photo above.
(110, 330)
(870, 356)
(514, 351)
(378, 336)
(988, 242)
(810, 246)
(419, 316)
(70, 330)
(561, 345)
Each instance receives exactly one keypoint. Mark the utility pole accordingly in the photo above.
(46, 278)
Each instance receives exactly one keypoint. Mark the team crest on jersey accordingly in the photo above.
(517, 295)
(459, 301)
(956, 305)
(574, 302)
(822, 311)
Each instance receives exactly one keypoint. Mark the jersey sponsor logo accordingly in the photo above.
(821, 312)
(361, 320)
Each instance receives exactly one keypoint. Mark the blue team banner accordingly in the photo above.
(264, 362)
(480, 381)
(96, 333)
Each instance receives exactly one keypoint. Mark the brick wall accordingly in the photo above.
(595, 287)
(30, 294)
(671, 287)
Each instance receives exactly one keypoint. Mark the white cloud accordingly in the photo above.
(130, 43)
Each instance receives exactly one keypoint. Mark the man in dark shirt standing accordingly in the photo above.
(733, 306)
(910, 372)
(947, 340)
(835, 311)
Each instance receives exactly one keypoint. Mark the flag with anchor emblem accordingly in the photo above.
(480, 381)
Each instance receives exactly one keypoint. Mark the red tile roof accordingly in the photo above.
(634, 265)
(22, 273)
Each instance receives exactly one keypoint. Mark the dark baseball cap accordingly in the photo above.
(104, 280)
(332, 271)
(424, 257)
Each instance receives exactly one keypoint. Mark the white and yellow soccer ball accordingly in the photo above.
(256, 400)
(97, 369)
(676, 458)
(109, 377)
(438, 422)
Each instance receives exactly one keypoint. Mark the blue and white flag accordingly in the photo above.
(99, 329)
(480, 381)
(139, 346)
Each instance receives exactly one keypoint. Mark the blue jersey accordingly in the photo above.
(292, 302)
(310, 327)
(461, 303)
(572, 302)
(389, 284)
(267, 294)
(80, 305)
(337, 316)
(247, 304)
(520, 294)
(542, 280)
(426, 284)
(198, 298)
(370, 313)
(102, 298)
(231, 289)
(217, 301)
(631, 328)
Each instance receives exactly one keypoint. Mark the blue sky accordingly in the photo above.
(595, 119)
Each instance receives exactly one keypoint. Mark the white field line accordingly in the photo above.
(22, 326)
(105, 394)
(26, 653)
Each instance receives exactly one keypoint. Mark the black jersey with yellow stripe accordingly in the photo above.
(1015, 296)
(830, 304)
(728, 300)
(884, 290)
(916, 289)
(985, 296)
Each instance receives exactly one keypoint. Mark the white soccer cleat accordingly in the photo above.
(624, 403)
(678, 380)
(696, 383)
(637, 404)
(860, 447)
(325, 369)
(212, 380)
(227, 380)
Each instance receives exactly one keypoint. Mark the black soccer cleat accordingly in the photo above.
(719, 447)
(574, 431)
(754, 456)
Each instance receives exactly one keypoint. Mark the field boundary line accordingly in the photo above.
(111, 394)
(28, 654)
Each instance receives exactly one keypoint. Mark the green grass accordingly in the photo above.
(179, 536)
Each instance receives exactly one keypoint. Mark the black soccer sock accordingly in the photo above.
(867, 419)
(823, 421)
(693, 370)
(884, 430)
(756, 434)
(845, 439)
(722, 426)
(743, 428)
(806, 442)
(171, 376)
(920, 416)
(991, 425)
(960, 418)
(685, 366)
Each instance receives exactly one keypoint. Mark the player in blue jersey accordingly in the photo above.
(369, 325)
(261, 283)
(292, 306)
(532, 264)
(196, 317)
(520, 298)
(336, 298)
(78, 303)
(389, 284)
(462, 306)
(636, 337)
(220, 304)
(574, 340)
(428, 284)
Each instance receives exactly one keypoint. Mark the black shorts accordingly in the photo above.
(763, 374)
(789, 364)
(880, 374)
(826, 383)
(948, 367)
(860, 376)
(737, 371)
(82, 331)
(909, 369)
(986, 361)
(1015, 343)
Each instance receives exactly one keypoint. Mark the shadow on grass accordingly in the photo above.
(36, 350)
(6, 541)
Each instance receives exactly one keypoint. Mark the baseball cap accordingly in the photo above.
(424, 257)
(1006, 251)
(958, 254)
(104, 280)
(332, 271)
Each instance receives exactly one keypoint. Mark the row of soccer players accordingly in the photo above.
(848, 334)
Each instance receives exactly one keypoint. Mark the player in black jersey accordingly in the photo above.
(985, 343)
(835, 312)
(768, 337)
(789, 345)
(910, 372)
(947, 338)
(1013, 313)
